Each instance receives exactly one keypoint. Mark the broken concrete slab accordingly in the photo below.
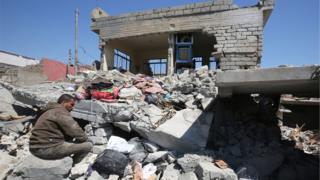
(99, 112)
(293, 80)
(190, 132)
(32, 167)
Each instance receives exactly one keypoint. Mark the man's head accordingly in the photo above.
(67, 101)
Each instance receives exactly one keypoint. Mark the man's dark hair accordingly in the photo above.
(65, 98)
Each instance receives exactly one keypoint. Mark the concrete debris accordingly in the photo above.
(170, 173)
(168, 128)
(98, 140)
(186, 135)
(152, 157)
(138, 153)
(189, 162)
(188, 176)
(119, 144)
(95, 176)
(125, 126)
(307, 141)
(97, 149)
(82, 167)
(34, 168)
(113, 177)
(148, 171)
(103, 132)
(6, 164)
(207, 171)
(6, 102)
(150, 147)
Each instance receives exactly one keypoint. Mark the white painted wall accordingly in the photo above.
(16, 60)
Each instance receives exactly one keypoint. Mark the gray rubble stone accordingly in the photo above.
(188, 176)
(95, 176)
(189, 162)
(98, 140)
(150, 146)
(97, 149)
(33, 167)
(113, 177)
(138, 153)
(89, 130)
(156, 156)
(125, 126)
(6, 163)
(208, 171)
(170, 173)
(153, 112)
(6, 101)
(124, 115)
(103, 132)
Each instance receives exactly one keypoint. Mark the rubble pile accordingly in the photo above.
(167, 131)
(305, 140)
(257, 145)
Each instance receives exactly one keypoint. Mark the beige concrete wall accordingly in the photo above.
(238, 31)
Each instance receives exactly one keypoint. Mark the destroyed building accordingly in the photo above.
(216, 33)
(194, 124)
(10, 60)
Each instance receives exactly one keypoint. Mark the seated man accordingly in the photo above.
(53, 129)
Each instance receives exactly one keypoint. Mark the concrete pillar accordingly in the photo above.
(171, 54)
(104, 62)
(107, 58)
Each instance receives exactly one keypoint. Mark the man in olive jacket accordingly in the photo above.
(56, 134)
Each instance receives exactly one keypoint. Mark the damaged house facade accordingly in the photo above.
(250, 123)
(162, 41)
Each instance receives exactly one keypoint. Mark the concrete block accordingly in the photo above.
(208, 171)
(186, 131)
(189, 162)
